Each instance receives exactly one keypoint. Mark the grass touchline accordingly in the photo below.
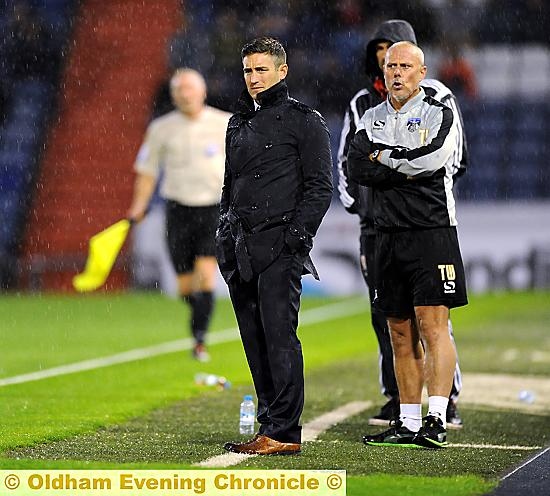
(308, 317)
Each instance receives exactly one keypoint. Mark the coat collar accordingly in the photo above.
(416, 100)
(268, 98)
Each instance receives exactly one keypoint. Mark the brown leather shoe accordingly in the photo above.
(263, 445)
(234, 447)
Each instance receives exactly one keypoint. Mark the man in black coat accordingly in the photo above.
(277, 188)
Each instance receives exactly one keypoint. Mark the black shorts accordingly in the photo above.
(418, 268)
(190, 232)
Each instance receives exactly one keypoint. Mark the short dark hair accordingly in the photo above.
(272, 46)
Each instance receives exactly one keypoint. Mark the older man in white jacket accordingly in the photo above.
(404, 149)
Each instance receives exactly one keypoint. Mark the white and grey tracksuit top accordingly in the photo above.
(412, 181)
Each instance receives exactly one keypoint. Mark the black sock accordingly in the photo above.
(188, 300)
(202, 304)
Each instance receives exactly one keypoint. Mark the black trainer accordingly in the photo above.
(453, 417)
(388, 412)
(396, 435)
(432, 434)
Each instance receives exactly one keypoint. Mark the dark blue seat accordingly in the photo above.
(22, 133)
(10, 209)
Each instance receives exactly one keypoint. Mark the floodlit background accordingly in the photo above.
(80, 80)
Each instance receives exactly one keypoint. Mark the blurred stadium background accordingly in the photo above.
(80, 80)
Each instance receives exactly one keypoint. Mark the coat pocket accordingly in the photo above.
(264, 247)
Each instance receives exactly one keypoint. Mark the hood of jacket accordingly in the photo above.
(393, 30)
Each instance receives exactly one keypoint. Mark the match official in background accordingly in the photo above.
(404, 150)
(358, 200)
(277, 188)
(188, 144)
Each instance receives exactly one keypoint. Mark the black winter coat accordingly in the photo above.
(278, 179)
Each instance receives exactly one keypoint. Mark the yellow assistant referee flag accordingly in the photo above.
(104, 247)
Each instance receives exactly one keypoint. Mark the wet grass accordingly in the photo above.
(150, 414)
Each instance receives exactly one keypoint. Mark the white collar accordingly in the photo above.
(418, 98)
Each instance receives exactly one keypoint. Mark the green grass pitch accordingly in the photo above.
(149, 413)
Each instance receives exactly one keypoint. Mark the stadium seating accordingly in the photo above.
(29, 105)
(86, 174)
(507, 127)
(507, 142)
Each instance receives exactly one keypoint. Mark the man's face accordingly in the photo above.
(188, 93)
(403, 72)
(260, 72)
(381, 49)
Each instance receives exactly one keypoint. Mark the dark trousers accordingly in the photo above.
(266, 308)
(388, 381)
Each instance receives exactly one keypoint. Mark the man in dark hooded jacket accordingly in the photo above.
(358, 200)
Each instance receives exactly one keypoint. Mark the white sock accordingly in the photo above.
(411, 416)
(437, 407)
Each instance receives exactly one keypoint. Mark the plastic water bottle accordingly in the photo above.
(526, 396)
(204, 379)
(248, 414)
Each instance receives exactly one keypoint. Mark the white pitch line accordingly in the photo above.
(493, 446)
(307, 317)
(313, 429)
(525, 464)
(225, 460)
(310, 432)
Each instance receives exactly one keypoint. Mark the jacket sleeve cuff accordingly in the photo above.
(384, 157)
